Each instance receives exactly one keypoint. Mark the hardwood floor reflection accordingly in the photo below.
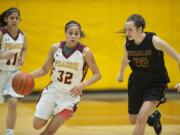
(95, 118)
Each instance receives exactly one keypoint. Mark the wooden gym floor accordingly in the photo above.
(96, 117)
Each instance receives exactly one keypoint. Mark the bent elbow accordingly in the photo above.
(99, 76)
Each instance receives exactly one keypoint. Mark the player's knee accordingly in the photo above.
(37, 125)
(132, 121)
(12, 104)
(141, 118)
(50, 132)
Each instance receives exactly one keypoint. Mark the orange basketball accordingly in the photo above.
(23, 83)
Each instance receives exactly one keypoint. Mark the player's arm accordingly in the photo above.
(23, 52)
(124, 63)
(5, 55)
(96, 75)
(160, 44)
(47, 65)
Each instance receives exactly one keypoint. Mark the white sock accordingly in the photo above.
(9, 132)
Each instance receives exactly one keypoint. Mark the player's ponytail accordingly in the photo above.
(2, 19)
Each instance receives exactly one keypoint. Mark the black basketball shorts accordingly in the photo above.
(139, 92)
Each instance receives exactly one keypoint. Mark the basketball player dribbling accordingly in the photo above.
(12, 53)
(144, 52)
(68, 61)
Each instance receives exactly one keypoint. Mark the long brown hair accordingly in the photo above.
(6, 13)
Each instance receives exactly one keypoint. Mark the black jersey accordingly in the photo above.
(145, 60)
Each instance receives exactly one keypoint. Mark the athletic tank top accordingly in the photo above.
(146, 61)
(68, 70)
(11, 44)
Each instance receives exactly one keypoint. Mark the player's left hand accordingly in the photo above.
(20, 61)
(120, 77)
(77, 90)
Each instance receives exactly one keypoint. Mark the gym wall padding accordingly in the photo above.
(43, 22)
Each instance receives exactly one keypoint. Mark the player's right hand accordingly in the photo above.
(120, 77)
(77, 90)
(20, 61)
(7, 55)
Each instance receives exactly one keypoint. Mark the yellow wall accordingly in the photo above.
(43, 21)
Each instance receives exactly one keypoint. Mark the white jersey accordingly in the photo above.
(11, 44)
(68, 71)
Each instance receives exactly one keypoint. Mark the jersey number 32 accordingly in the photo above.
(65, 77)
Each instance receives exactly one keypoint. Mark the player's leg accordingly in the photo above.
(57, 121)
(38, 123)
(158, 93)
(11, 115)
(135, 100)
(53, 126)
(132, 118)
(145, 111)
(154, 121)
(66, 105)
(44, 109)
(12, 105)
(3, 77)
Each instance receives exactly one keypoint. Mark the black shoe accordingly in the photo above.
(154, 121)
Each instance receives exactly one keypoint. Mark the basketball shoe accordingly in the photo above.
(154, 121)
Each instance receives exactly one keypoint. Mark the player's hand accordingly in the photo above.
(120, 77)
(7, 55)
(178, 87)
(77, 90)
(20, 61)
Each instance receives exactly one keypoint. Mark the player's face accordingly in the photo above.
(131, 31)
(73, 35)
(13, 19)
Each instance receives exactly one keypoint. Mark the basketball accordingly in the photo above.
(23, 83)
